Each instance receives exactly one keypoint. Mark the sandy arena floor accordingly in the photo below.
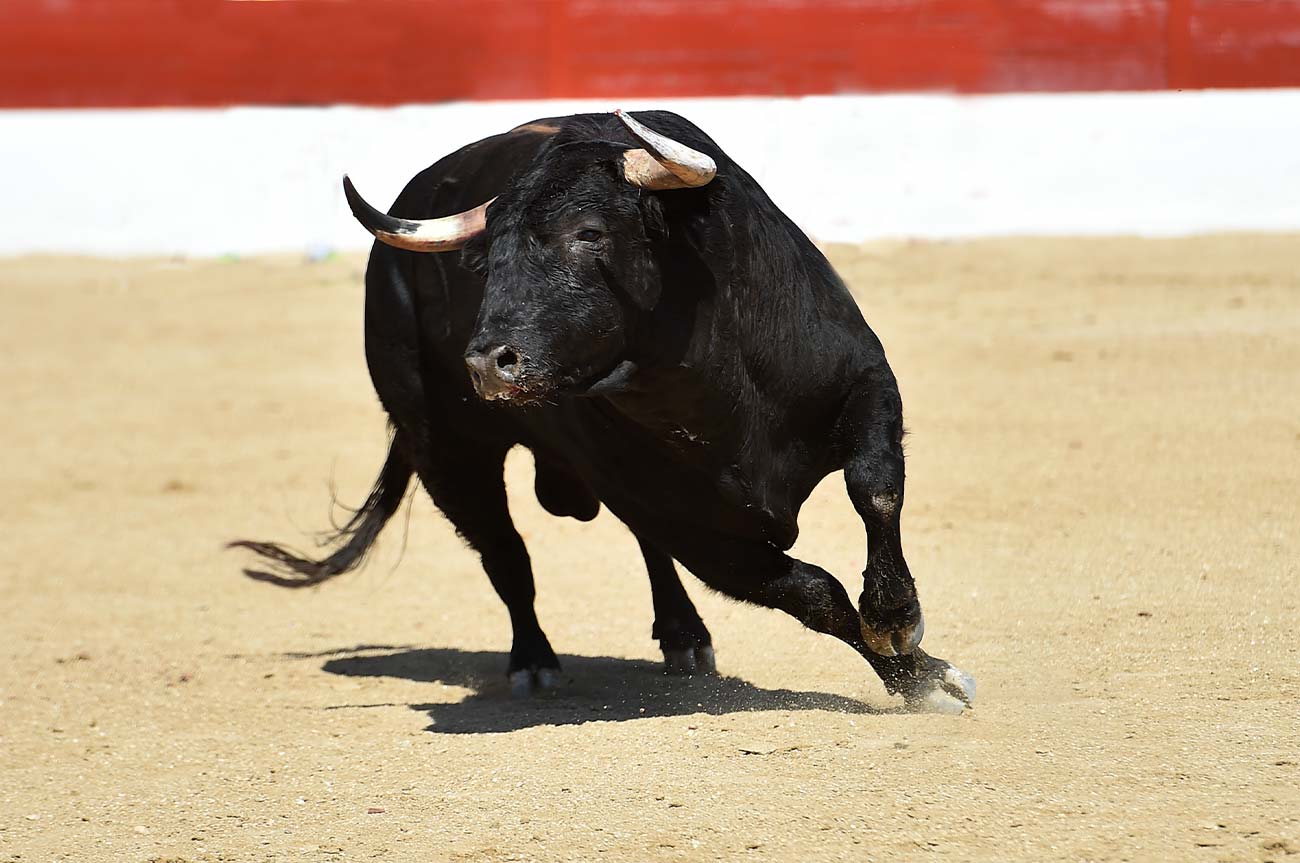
(1102, 518)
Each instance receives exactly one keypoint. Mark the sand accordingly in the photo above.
(1102, 517)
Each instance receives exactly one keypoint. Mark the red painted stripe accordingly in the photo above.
(119, 53)
(1237, 43)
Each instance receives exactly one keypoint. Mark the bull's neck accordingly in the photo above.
(695, 392)
(736, 327)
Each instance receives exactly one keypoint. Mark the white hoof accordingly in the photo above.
(958, 681)
(690, 660)
(950, 693)
(526, 682)
(548, 678)
(521, 683)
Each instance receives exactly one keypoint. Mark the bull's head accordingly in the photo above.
(566, 254)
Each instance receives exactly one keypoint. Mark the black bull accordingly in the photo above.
(677, 351)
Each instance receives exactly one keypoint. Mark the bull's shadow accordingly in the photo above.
(593, 689)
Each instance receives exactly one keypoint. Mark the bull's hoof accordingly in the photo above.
(690, 660)
(950, 690)
(686, 644)
(533, 666)
(527, 681)
(901, 638)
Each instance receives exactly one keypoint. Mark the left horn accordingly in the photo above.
(445, 234)
(664, 163)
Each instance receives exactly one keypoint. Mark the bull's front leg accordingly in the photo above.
(819, 602)
(872, 435)
(890, 619)
(762, 574)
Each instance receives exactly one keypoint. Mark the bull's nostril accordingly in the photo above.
(495, 371)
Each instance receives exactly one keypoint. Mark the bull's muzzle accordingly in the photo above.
(495, 372)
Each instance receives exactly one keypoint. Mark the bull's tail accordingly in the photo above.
(348, 545)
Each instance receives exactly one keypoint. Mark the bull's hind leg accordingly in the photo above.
(466, 483)
(686, 644)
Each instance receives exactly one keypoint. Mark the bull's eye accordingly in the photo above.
(589, 235)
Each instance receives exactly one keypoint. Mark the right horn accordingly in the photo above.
(444, 234)
(664, 163)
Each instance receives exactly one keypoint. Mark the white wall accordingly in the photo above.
(245, 180)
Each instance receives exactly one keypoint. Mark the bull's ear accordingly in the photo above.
(643, 284)
(644, 281)
(473, 255)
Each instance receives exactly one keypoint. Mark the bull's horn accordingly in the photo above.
(444, 234)
(664, 163)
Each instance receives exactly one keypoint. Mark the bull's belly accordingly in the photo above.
(677, 494)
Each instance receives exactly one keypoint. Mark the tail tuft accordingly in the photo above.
(350, 542)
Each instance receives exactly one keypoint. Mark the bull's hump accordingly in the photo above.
(537, 127)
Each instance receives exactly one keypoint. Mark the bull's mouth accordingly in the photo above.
(522, 393)
(528, 391)
(537, 389)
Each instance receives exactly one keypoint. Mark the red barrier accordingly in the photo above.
(120, 53)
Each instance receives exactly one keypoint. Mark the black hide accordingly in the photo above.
(686, 358)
